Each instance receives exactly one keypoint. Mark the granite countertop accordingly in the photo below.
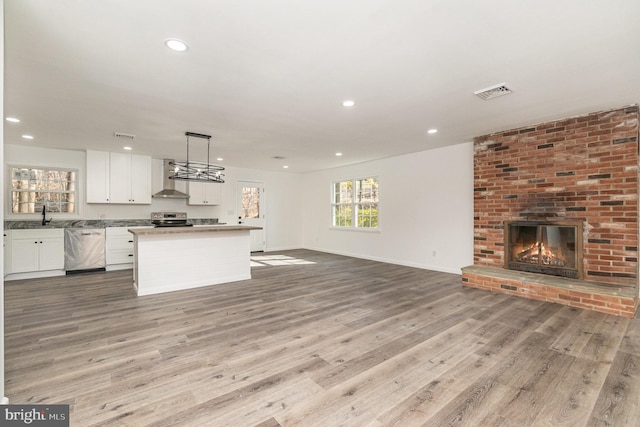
(93, 223)
(190, 230)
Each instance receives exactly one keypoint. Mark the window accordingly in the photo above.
(355, 203)
(250, 202)
(32, 188)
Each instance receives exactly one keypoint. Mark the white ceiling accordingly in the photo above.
(267, 78)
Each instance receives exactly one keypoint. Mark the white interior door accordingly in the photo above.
(252, 211)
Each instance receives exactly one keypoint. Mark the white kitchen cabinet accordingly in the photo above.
(118, 178)
(97, 177)
(204, 193)
(119, 248)
(130, 178)
(37, 250)
(7, 251)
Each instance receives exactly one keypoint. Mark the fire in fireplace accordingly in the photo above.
(538, 253)
(547, 248)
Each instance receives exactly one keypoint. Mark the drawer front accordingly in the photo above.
(120, 242)
(118, 231)
(120, 256)
(38, 234)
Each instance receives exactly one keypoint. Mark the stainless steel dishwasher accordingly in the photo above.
(84, 250)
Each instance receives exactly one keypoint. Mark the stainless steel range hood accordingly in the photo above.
(168, 185)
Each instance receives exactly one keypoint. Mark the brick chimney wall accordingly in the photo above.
(581, 168)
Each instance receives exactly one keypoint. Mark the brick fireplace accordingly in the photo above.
(580, 171)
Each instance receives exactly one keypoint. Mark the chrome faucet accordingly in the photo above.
(45, 221)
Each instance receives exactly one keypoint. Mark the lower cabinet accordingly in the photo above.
(29, 252)
(119, 249)
(36, 250)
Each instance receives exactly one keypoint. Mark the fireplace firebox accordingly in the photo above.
(543, 247)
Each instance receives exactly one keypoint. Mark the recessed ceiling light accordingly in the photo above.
(27, 136)
(338, 154)
(348, 103)
(285, 167)
(432, 131)
(13, 120)
(176, 45)
(127, 148)
(219, 159)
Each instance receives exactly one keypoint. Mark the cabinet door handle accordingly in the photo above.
(130, 255)
(130, 241)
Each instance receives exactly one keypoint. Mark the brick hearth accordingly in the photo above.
(582, 168)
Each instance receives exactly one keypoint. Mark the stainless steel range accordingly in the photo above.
(170, 219)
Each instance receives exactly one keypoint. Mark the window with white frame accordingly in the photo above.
(34, 188)
(355, 203)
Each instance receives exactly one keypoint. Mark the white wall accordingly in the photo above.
(426, 205)
(284, 210)
(284, 219)
(426, 208)
(2, 397)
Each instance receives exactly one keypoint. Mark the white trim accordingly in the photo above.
(282, 248)
(357, 229)
(114, 267)
(34, 275)
(18, 216)
(388, 260)
(354, 203)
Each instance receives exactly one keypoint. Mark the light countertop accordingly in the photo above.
(184, 230)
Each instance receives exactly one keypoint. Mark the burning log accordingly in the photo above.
(537, 253)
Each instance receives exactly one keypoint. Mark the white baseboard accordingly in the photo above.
(281, 248)
(4, 401)
(390, 261)
(34, 275)
(114, 267)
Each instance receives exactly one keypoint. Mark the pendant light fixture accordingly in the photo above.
(197, 171)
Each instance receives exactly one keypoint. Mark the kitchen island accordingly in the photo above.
(174, 258)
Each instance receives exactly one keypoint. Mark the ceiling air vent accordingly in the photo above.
(493, 92)
(123, 135)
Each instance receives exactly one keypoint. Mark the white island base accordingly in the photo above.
(172, 259)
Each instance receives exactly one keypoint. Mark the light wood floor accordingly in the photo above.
(338, 342)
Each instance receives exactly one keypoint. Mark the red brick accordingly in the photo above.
(580, 294)
(607, 298)
(594, 302)
(568, 298)
(585, 137)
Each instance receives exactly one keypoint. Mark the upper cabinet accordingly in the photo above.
(204, 193)
(97, 177)
(130, 178)
(118, 178)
